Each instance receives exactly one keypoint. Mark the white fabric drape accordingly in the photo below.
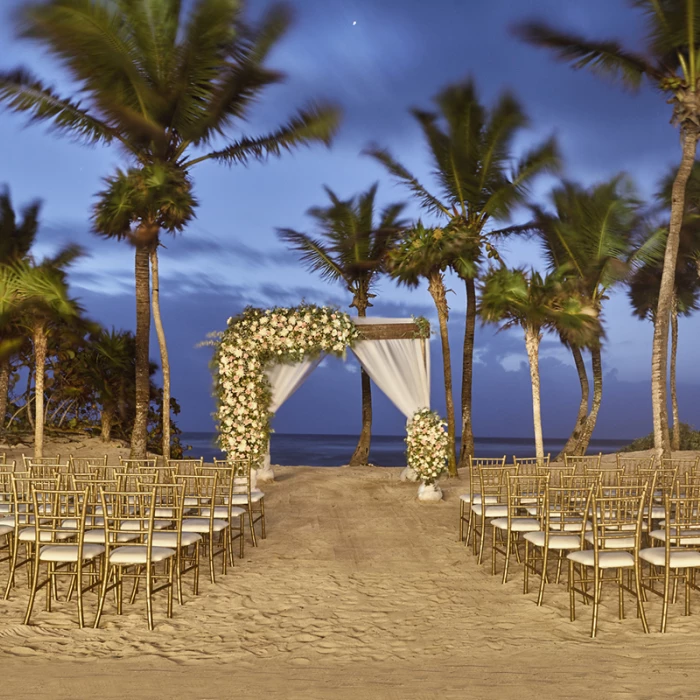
(284, 380)
(400, 368)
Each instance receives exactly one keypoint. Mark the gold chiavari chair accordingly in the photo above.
(63, 552)
(616, 535)
(7, 529)
(199, 494)
(582, 462)
(80, 464)
(133, 512)
(136, 464)
(564, 523)
(494, 503)
(678, 557)
(31, 461)
(170, 503)
(581, 481)
(608, 475)
(22, 520)
(631, 465)
(530, 465)
(520, 490)
(247, 497)
(186, 467)
(555, 472)
(681, 466)
(466, 500)
(223, 504)
(164, 474)
(104, 471)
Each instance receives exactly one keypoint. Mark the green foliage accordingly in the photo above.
(690, 440)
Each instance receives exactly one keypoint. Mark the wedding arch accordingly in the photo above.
(264, 356)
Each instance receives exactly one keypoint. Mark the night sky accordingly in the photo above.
(377, 58)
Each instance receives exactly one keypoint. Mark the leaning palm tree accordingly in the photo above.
(39, 296)
(670, 61)
(165, 81)
(537, 304)
(590, 233)
(351, 248)
(16, 239)
(426, 253)
(480, 182)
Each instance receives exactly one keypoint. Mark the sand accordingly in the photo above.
(359, 591)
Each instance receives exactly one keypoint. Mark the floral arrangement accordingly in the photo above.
(254, 340)
(427, 445)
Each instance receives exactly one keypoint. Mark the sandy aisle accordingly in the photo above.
(359, 591)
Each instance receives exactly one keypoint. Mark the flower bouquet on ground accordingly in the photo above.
(426, 451)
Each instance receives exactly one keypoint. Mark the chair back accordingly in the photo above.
(555, 473)
(631, 465)
(581, 462)
(531, 465)
(609, 475)
(80, 464)
(493, 483)
(526, 496)
(62, 521)
(23, 497)
(135, 464)
(169, 501)
(199, 495)
(566, 512)
(163, 474)
(475, 464)
(581, 481)
(186, 467)
(131, 517)
(680, 466)
(617, 518)
(30, 461)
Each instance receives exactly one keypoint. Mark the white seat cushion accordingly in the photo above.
(491, 511)
(29, 535)
(202, 525)
(143, 525)
(195, 501)
(97, 536)
(680, 558)
(222, 512)
(613, 542)
(687, 537)
(517, 524)
(556, 541)
(138, 554)
(476, 498)
(5, 530)
(169, 539)
(606, 560)
(241, 499)
(70, 552)
(9, 521)
(90, 521)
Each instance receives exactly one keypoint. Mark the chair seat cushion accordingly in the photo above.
(222, 512)
(143, 525)
(23, 520)
(97, 536)
(138, 554)
(241, 499)
(476, 498)
(680, 558)
(90, 521)
(613, 542)
(516, 524)
(492, 511)
(556, 541)
(69, 552)
(686, 537)
(195, 501)
(169, 539)
(202, 525)
(5, 530)
(606, 560)
(29, 535)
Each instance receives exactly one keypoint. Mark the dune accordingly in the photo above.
(359, 591)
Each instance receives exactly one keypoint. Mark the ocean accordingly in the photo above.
(387, 450)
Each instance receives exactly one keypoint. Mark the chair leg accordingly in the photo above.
(543, 580)
(210, 543)
(664, 609)
(171, 571)
(482, 537)
(241, 537)
(13, 568)
(461, 519)
(510, 541)
(79, 579)
(178, 561)
(526, 568)
(640, 602)
(572, 595)
(195, 581)
(262, 518)
(32, 593)
(597, 586)
(252, 526)
(149, 595)
(106, 571)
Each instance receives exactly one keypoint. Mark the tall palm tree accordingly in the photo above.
(590, 233)
(670, 60)
(426, 253)
(39, 294)
(479, 184)
(16, 239)
(537, 304)
(352, 247)
(166, 81)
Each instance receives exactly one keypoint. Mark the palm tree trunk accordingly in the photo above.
(139, 434)
(572, 442)
(39, 340)
(467, 375)
(436, 287)
(106, 422)
(4, 389)
(28, 394)
(676, 437)
(659, 351)
(360, 456)
(597, 365)
(164, 360)
(532, 344)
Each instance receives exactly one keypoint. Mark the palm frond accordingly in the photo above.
(313, 254)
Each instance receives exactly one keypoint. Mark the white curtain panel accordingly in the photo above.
(400, 368)
(285, 380)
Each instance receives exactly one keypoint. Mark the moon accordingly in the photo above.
(354, 23)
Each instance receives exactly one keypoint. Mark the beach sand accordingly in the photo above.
(359, 591)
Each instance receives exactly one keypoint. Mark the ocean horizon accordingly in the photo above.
(386, 451)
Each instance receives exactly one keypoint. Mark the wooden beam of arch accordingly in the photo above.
(389, 331)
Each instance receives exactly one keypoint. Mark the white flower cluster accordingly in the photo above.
(427, 445)
(255, 340)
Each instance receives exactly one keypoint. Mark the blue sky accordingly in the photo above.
(399, 54)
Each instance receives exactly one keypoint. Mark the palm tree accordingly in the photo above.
(589, 234)
(165, 84)
(480, 182)
(351, 249)
(670, 61)
(16, 239)
(425, 253)
(39, 294)
(536, 304)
